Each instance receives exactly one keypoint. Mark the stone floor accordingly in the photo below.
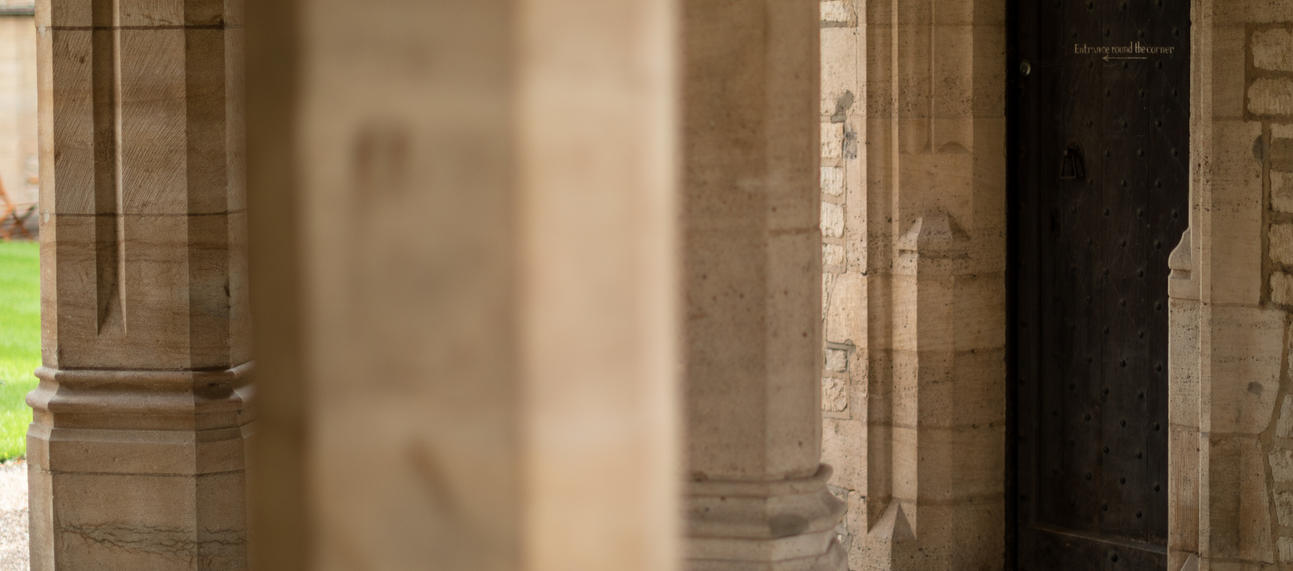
(13, 516)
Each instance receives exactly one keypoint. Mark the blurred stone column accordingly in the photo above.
(136, 448)
(757, 496)
(464, 274)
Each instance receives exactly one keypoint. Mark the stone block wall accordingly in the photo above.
(912, 121)
(1231, 405)
(843, 260)
(1269, 102)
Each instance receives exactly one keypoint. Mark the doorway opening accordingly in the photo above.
(1099, 114)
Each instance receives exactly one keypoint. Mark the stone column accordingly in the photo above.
(464, 271)
(756, 495)
(136, 449)
(929, 471)
(1230, 488)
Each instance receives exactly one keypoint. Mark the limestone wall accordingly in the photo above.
(1270, 103)
(1231, 408)
(913, 247)
(843, 254)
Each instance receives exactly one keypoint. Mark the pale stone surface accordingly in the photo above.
(1229, 45)
(1282, 465)
(1273, 49)
(1284, 507)
(1285, 545)
(1285, 427)
(1282, 191)
(1227, 349)
(832, 220)
(1281, 243)
(928, 309)
(1271, 96)
(832, 255)
(1282, 288)
(833, 180)
(837, 360)
(753, 230)
(836, 12)
(844, 303)
(1233, 238)
(832, 140)
(841, 83)
(835, 396)
(495, 327)
(843, 321)
(1247, 346)
(136, 450)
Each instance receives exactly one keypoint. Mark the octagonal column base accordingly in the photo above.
(785, 525)
(139, 469)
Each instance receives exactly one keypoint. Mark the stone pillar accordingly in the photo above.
(464, 271)
(928, 470)
(756, 495)
(1230, 488)
(140, 419)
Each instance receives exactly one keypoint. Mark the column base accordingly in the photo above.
(138, 469)
(786, 525)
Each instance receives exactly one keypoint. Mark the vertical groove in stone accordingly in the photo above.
(108, 231)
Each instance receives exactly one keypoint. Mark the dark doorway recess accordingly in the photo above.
(1099, 115)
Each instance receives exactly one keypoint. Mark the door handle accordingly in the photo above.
(1072, 165)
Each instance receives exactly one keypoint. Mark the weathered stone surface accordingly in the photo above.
(752, 235)
(141, 419)
(1281, 243)
(832, 143)
(832, 220)
(1284, 507)
(1284, 429)
(1282, 288)
(1273, 49)
(837, 13)
(837, 360)
(1285, 545)
(1247, 346)
(1271, 96)
(1229, 45)
(832, 255)
(835, 396)
(1282, 465)
(1227, 349)
(1234, 237)
(843, 316)
(1282, 191)
(841, 82)
(833, 180)
(930, 308)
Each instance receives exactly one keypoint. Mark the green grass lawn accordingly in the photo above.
(19, 342)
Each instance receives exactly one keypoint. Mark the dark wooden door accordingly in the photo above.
(1099, 197)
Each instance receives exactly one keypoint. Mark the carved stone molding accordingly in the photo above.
(774, 525)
